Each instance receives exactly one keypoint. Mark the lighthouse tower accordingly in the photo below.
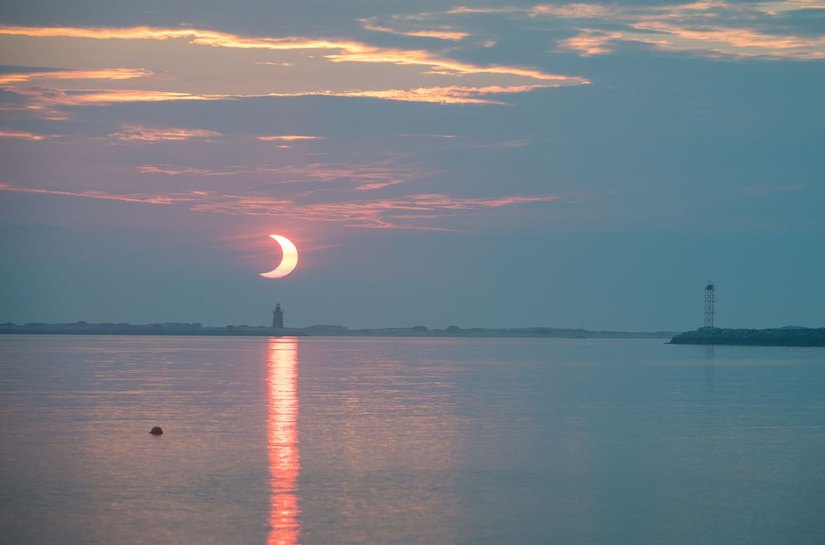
(278, 317)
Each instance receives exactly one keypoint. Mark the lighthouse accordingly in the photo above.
(278, 317)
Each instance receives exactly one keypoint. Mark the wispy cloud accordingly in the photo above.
(415, 212)
(23, 135)
(418, 75)
(470, 10)
(573, 11)
(360, 176)
(714, 29)
(511, 144)
(440, 33)
(728, 41)
(714, 41)
(280, 64)
(106, 73)
(101, 195)
(170, 170)
(592, 42)
(453, 94)
(706, 28)
(154, 134)
(408, 212)
(287, 138)
(47, 101)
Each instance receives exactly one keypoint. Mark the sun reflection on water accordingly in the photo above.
(282, 426)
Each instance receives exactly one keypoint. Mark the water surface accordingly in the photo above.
(397, 441)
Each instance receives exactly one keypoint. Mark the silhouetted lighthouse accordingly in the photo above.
(278, 317)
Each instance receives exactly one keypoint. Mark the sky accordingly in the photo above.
(477, 163)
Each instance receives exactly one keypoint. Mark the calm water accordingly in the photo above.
(403, 441)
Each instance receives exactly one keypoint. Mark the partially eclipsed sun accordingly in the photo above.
(289, 260)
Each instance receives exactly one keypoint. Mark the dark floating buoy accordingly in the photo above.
(156, 431)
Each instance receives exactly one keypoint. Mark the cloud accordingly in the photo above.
(573, 11)
(468, 10)
(371, 186)
(705, 28)
(170, 170)
(441, 33)
(154, 134)
(728, 41)
(41, 93)
(405, 212)
(446, 95)
(361, 176)
(712, 29)
(22, 135)
(708, 41)
(411, 212)
(47, 101)
(106, 73)
(281, 64)
(592, 42)
(287, 138)
(512, 144)
(101, 195)
(161, 69)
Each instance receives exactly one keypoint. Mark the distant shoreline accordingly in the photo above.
(165, 329)
(784, 336)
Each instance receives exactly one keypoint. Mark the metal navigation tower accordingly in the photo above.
(278, 317)
(710, 303)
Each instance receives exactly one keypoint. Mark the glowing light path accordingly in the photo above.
(282, 431)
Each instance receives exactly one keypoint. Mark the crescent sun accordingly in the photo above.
(289, 260)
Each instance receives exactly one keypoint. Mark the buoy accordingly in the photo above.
(156, 431)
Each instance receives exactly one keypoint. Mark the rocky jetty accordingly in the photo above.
(783, 336)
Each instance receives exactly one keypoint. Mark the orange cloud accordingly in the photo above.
(348, 50)
(729, 41)
(371, 186)
(172, 171)
(427, 76)
(22, 135)
(406, 212)
(364, 177)
(709, 40)
(709, 28)
(784, 6)
(154, 134)
(445, 95)
(615, 12)
(467, 10)
(287, 138)
(444, 33)
(108, 73)
(106, 96)
(592, 42)
(45, 101)
(130, 198)
(420, 75)
(398, 213)
(572, 11)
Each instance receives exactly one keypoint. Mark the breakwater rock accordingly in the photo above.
(783, 336)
